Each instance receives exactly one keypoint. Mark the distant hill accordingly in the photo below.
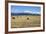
(14, 14)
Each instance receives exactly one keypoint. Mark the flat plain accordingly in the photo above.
(25, 21)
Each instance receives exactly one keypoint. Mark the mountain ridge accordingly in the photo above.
(23, 14)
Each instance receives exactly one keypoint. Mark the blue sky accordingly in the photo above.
(25, 9)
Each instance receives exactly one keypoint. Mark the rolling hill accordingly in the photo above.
(15, 14)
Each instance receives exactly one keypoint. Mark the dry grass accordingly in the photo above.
(21, 21)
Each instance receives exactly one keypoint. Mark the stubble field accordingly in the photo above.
(25, 21)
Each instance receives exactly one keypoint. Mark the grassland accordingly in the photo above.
(22, 21)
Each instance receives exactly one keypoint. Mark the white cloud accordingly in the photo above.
(27, 11)
(36, 12)
(32, 12)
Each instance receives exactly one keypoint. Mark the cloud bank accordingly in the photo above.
(32, 12)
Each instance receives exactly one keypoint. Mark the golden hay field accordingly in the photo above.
(25, 21)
